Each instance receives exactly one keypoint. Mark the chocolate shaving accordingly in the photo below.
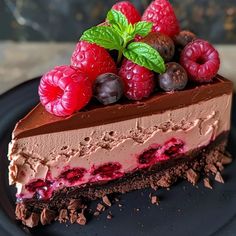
(226, 160)
(81, 219)
(47, 216)
(220, 166)
(211, 168)
(73, 217)
(219, 178)
(63, 216)
(192, 176)
(32, 221)
(207, 183)
(21, 211)
(100, 207)
(106, 200)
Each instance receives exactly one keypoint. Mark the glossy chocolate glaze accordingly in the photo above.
(39, 121)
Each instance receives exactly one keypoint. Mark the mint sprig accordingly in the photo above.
(104, 36)
(144, 55)
(119, 34)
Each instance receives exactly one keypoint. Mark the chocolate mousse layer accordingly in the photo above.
(71, 200)
(38, 121)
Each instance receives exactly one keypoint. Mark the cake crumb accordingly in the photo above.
(32, 221)
(74, 204)
(117, 199)
(219, 178)
(81, 219)
(100, 207)
(154, 200)
(192, 176)
(96, 213)
(63, 216)
(109, 216)
(220, 166)
(211, 168)
(207, 183)
(106, 201)
(120, 205)
(73, 217)
(47, 216)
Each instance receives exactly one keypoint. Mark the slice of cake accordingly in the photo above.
(163, 115)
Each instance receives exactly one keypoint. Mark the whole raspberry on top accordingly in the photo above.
(138, 81)
(92, 60)
(201, 61)
(162, 15)
(129, 10)
(64, 90)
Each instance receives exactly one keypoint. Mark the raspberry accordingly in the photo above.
(92, 60)
(148, 157)
(73, 175)
(138, 81)
(64, 90)
(129, 10)
(162, 15)
(201, 61)
(109, 170)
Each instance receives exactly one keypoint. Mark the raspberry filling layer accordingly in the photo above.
(71, 176)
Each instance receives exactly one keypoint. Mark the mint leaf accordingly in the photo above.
(143, 28)
(117, 20)
(146, 56)
(103, 36)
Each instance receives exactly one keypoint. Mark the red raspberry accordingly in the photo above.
(162, 15)
(92, 60)
(129, 10)
(139, 81)
(201, 60)
(64, 90)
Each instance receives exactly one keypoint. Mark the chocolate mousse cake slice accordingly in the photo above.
(155, 116)
(117, 148)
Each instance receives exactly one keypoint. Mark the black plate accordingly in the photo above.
(184, 209)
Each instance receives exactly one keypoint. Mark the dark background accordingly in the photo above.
(64, 20)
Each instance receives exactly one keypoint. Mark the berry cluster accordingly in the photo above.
(94, 72)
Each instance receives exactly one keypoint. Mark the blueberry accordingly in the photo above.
(108, 88)
(175, 78)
